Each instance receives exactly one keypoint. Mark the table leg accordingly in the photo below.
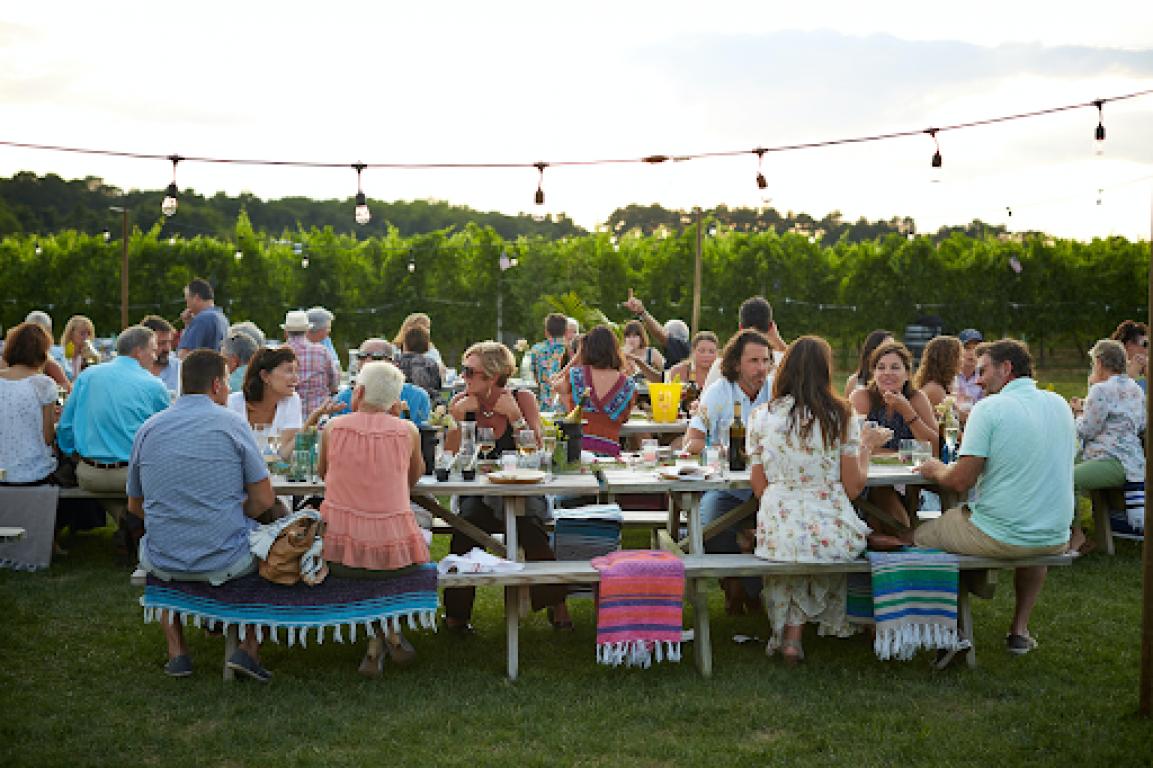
(512, 597)
(691, 502)
(513, 508)
(965, 625)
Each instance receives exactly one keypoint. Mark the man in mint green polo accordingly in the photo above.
(1018, 451)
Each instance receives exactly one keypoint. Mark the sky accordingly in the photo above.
(522, 82)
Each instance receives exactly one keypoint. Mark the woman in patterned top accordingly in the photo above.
(1109, 423)
(605, 393)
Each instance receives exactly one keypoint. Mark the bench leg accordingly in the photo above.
(512, 596)
(231, 643)
(1102, 529)
(702, 650)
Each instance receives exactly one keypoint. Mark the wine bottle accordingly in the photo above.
(738, 461)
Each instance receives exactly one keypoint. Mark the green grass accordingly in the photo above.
(81, 684)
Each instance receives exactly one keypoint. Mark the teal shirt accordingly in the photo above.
(1027, 438)
(236, 378)
(108, 404)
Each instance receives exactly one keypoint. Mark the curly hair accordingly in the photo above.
(264, 360)
(1129, 331)
(735, 349)
(939, 362)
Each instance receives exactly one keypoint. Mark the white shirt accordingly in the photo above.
(715, 412)
(287, 411)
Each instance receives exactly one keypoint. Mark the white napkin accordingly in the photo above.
(477, 561)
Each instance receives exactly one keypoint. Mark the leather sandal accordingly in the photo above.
(372, 665)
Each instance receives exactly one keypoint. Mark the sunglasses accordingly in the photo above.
(371, 355)
(468, 372)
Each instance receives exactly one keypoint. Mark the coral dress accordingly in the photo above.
(805, 517)
(366, 506)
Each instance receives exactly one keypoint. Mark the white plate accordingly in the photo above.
(516, 476)
(684, 473)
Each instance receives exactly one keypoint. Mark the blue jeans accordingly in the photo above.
(714, 504)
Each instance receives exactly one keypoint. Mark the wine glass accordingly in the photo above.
(526, 445)
(485, 440)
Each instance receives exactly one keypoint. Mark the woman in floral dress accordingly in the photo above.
(805, 468)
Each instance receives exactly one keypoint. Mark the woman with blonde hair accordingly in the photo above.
(486, 368)
(370, 459)
(77, 332)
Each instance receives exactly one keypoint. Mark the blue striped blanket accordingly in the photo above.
(911, 596)
(251, 603)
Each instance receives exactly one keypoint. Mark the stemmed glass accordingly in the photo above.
(485, 441)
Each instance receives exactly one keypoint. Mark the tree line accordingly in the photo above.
(1060, 295)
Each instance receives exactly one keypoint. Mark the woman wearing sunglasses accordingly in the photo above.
(486, 368)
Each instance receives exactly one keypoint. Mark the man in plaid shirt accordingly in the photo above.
(319, 373)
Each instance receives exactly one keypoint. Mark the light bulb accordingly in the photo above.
(172, 240)
(107, 235)
(362, 213)
(304, 262)
(168, 207)
(39, 250)
(411, 267)
(238, 255)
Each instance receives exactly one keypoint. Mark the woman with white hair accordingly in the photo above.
(370, 460)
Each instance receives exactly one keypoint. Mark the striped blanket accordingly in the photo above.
(911, 596)
(639, 603)
(341, 605)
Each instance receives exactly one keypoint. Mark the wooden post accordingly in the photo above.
(1147, 556)
(697, 276)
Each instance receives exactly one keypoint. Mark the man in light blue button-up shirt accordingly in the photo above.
(108, 404)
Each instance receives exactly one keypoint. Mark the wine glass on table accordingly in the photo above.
(526, 446)
(485, 441)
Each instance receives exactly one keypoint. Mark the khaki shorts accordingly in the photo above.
(954, 532)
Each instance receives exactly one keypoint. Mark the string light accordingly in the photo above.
(168, 206)
(238, 255)
(411, 262)
(935, 163)
(362, 214)
(106, 235)
(539, 198)
(39, 250)
(1099, 134)
(761, 183)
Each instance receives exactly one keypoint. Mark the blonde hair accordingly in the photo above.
(381, 383)
(415, 318)
(496, 360)
(73, 325)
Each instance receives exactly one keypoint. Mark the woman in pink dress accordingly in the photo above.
(370, 459)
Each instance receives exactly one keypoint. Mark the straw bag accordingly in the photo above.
(282, 566)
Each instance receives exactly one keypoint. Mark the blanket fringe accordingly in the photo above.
(901, 643)
(638, 653)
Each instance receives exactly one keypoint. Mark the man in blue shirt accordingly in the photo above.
(167, 366)
(415, 403)
(1018, 451)
(108, 404)
(198, 480)
(208, 325)
(745, 381)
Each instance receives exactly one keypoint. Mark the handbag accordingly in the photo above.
(282, 566)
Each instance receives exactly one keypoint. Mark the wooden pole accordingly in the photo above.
(697, 276)
(123, 263)
(1146, 554)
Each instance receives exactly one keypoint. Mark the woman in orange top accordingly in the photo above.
(606, 394)
(370, 459)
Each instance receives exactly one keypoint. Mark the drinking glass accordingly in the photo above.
(922, 452)
(485, 440)
(526, 446)
(508, 461)
(906, 449)
(649, 448)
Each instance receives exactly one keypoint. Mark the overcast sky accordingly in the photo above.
(521, 82)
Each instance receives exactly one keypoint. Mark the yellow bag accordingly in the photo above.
(666, 399)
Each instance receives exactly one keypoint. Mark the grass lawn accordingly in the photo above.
(81, 682)
(82, 685)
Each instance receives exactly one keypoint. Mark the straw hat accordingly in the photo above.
(296, 321)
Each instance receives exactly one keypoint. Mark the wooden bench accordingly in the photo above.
(1104, 501)
(699, 569)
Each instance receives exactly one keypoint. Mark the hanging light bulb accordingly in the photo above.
(1099, 134)
(539, 197)
(168, 206)
(304, 261)
(411, 263)
(935, 163)
(761, 183)
(39, 250)
(106, 235)
(238, 255)
(362, 215)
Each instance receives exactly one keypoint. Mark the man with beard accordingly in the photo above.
(745, 382)
(167, 365)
